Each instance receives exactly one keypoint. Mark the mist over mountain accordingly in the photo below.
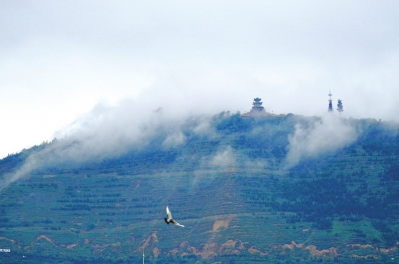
(271, 188)
(110, 131)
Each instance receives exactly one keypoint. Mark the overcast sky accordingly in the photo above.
(59, 59)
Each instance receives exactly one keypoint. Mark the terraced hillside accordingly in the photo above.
(247, 190)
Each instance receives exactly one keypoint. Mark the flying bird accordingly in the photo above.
(169, 219)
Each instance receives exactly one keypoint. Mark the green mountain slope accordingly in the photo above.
(277, 189)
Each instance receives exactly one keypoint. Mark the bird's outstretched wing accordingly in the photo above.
(168, 213)
(176, 223)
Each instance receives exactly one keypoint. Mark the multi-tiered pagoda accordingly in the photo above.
(257, 105)
(257, 109)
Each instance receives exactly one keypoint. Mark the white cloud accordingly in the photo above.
(321, 136)
(223, 159)
(110, 130)
(173, 140)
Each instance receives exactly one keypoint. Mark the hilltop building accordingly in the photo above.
(330, 106)
(257, 109)
(340, 107)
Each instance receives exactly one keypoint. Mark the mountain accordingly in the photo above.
(277, 189)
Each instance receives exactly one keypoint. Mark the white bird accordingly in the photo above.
(169, 219)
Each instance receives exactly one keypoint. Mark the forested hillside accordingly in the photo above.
(279, 189)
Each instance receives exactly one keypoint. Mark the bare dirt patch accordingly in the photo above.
(219, 224)
(332, 252)
(46, 238)
(72, 246)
